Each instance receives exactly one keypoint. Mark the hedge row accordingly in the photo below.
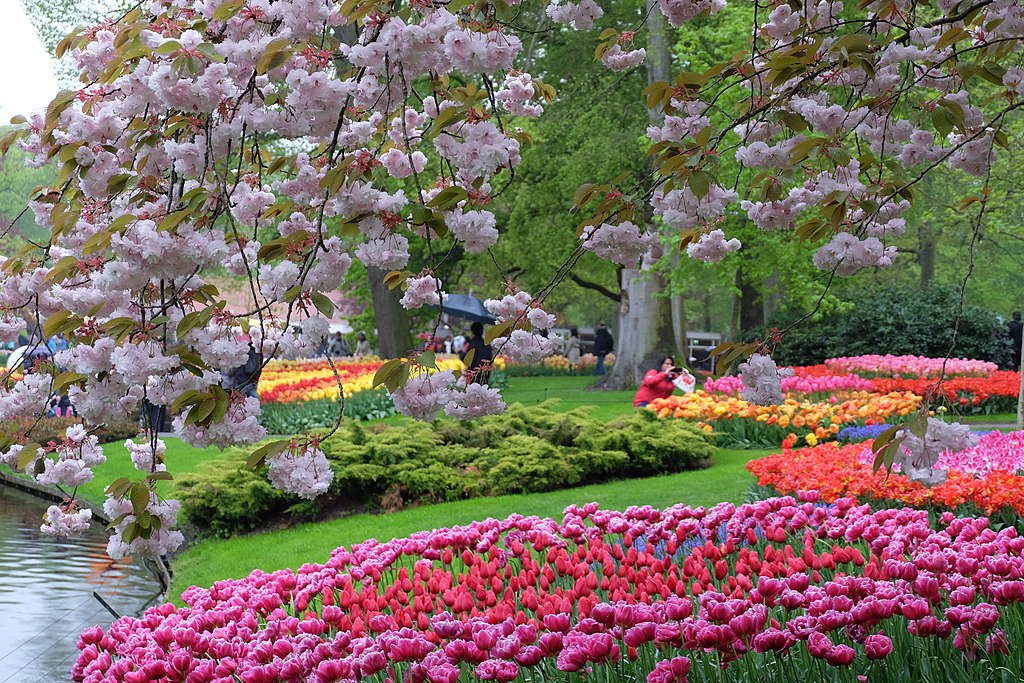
(46, 429)
(384, 466)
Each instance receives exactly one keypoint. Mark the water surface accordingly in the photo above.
(46, 588)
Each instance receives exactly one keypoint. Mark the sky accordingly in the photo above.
(27, 82)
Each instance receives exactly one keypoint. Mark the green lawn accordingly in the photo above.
(209, 561)
(994, 418)
(572, 392)
(180, 458)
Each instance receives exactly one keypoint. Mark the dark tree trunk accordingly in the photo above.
(393, 333)
(645, 328)
(927, 244)
(751, 308)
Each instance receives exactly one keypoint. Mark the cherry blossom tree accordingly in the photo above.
(283, 140)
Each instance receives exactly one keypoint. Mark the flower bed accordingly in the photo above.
(772, 591)
(837, 471)
(297, 381)
(301, 395)
(813, 382)
(746, 424)
(909, 366)
(995, 393)
(554, 366)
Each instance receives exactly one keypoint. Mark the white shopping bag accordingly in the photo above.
(685, 382)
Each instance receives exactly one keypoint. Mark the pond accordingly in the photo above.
(46, 591)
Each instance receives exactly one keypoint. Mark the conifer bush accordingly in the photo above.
(385, 466)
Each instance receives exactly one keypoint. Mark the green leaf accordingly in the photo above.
(259, 456)
(55, 322)
(448, 198)
(29, 452)
(228, 10)
(66, 379)
(167, 47)
(322, 303)
(118, 487)
(276, 54)
(194, 320)
(700, 183)
(499, 330)
(386, 371)
(190, 397)
(140, 498)
(200, 413)
(427, 359)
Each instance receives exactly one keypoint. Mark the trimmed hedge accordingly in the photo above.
(382, 466)
(46, 429)
(898, 320)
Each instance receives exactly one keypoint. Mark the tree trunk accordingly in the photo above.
(393, 335)
(751, 309)
(677, 306)
(646, 327)
(926, 249)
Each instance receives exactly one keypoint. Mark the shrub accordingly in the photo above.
(896, 320)
(48, 429)
(524, 450)
(221, 497)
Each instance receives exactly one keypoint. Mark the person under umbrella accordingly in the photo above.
(481, 354)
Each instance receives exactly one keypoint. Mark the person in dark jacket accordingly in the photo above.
(603, 345)
(245, 377)
(481, 353)
(657, 383)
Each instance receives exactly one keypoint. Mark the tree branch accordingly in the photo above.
(587, 284)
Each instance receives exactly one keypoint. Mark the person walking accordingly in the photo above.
(604, 343)
(482, 354)
(362, 346)
(572, 349)
(1016, 332)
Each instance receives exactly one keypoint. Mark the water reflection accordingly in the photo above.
(46, 587)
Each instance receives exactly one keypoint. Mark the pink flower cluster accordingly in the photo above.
(655, 595)
(762, 380)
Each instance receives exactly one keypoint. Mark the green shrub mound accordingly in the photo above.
(381, 466)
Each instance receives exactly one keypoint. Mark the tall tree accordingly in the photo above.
(646, 327)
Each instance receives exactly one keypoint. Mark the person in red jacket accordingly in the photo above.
(657, 383)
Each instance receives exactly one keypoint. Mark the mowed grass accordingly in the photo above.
(179, 457)
(571, 392)
(210, 561)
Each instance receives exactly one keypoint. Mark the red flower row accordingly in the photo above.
(836, 471)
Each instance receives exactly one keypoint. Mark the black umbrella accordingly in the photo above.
(468, 308)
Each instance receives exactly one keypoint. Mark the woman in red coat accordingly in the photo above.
(657, 383)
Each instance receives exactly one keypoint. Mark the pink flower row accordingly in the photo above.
(994, 452)
(732, 385)
(916, 366)
(627, 593)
